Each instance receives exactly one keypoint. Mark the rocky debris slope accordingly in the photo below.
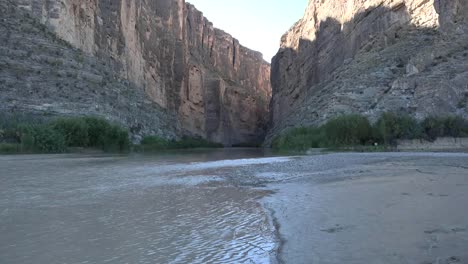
(218, 89)
(41, 74)
(370, 57)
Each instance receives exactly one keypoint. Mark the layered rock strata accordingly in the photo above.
(42, 76)
(217, 88)
(352, 56)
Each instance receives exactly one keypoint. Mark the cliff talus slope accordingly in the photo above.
(350, 56)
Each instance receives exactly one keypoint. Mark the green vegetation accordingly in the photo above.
(39, 134)
(348, 130)
(354, 132)
(453, 126)
(8, 148)
(154, 143)
(41, 138)
(301, 139)
(93, 132)
(26, 135)
(392, 127)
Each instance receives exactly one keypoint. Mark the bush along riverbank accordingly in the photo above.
(355, 132)
(67, 134)
(61, 134)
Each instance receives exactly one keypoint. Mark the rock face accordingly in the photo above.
(226, 89)
(217, 88)
(353, 56)
(42, 76)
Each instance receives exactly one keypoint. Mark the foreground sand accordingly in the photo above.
(373, 208)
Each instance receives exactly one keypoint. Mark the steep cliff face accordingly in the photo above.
(369, 57)
(42, 75)
(226, 90)
(217, 88)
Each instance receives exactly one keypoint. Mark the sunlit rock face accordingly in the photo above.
(355, 56)
(218, 89)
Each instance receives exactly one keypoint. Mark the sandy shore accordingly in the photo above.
(371, 208)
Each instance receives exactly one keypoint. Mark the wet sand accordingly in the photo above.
(235, 207)
(410, 209)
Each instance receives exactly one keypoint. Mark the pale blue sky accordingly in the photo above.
(258, 24)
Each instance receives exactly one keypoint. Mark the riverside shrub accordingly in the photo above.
(391, 127)
(75, 131)
(356, 130)
(40, 138)
(433, 127)
(449, 126)
(116, 139)
(56, 135)
(348, 130)
(455, 126)
(47, 139)
(301, 139)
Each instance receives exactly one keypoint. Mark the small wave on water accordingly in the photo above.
(94, 211)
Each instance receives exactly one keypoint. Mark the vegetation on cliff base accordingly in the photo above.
(21, 135)
(24, 134)
(391, 127)
(356, 131)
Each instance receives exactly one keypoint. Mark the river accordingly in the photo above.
(234, 206)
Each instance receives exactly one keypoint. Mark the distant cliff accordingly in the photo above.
(215, 87)
(349, 56)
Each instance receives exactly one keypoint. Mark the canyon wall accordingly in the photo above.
(217, 88)
(43, 76)
(369, 57)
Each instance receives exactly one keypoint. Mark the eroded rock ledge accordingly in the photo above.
(217, 88)
(370, 57)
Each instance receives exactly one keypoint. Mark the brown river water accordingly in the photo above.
(234, 206)
(137, 209)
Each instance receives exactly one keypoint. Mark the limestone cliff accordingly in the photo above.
(348, 56)
(217, 88)
(42, 76)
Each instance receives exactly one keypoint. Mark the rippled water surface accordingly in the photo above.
(176, 208)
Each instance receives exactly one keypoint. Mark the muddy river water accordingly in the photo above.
(234, 206)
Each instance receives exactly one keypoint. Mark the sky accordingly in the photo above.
(257, 24)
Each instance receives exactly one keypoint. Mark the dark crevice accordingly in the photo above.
(234, 52)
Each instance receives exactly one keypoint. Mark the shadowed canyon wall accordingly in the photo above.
(353, 56)
(215, 87)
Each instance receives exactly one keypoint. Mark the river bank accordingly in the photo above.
(372, 208)
(234, 206)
